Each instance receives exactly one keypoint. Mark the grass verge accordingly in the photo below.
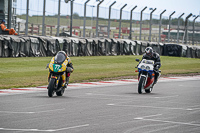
(30, 71)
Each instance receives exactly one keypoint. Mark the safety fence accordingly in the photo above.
(146, 26)
(41, 46)
(175, 36)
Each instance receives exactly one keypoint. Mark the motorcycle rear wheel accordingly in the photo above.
(61, 92)
(51, 87)
(141, 84)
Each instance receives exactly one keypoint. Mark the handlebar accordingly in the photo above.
(47, 66)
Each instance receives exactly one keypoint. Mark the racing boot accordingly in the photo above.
(65, 85)
(155, 79)
(64, 79)
(67, 77)
(67, 80)
(157, 76)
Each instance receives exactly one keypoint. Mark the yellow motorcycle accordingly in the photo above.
(57, 75)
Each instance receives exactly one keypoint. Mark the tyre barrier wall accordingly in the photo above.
(41, 46)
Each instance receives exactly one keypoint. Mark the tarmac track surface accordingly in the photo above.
(104, 107)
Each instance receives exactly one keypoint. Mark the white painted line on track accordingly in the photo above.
(39, 130)
(49, 110)
(98, 94)
(45, 105)
(15, 112)
(139, 106)
(86, 125)
(196, 107)
(167, 96)
(172, 122)
(12, 112)
(139, 118)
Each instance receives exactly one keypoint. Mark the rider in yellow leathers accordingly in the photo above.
(69, 65)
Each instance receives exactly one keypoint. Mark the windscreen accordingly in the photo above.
(148, 61)
(59, 59)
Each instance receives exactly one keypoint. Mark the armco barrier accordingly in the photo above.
(40, 46)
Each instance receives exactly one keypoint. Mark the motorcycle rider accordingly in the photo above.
(69, 69)
(151, 55)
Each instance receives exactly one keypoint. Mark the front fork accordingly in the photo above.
(145, 81)
(145, 76)
(57, 78)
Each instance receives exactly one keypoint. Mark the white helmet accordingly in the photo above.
(149, 51)
(62, 52)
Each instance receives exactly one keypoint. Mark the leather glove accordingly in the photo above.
(156, 68)
(47, 66)
(69, 69)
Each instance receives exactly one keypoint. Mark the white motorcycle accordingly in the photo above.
(146, 76)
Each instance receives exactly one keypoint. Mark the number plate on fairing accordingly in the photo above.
(56, 67)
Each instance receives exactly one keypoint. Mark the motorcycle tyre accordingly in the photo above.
(141, 84)
(51, 87)
(148, 90)
(61, 92)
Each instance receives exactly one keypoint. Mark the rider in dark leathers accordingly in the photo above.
(151, 55)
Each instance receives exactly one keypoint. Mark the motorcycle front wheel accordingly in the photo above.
(148, 90)
(141, 84)
(51, 87)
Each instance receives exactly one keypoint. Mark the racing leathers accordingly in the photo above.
(156, 58)
(70, 69)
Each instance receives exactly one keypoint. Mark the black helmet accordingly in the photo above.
(149, 51)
